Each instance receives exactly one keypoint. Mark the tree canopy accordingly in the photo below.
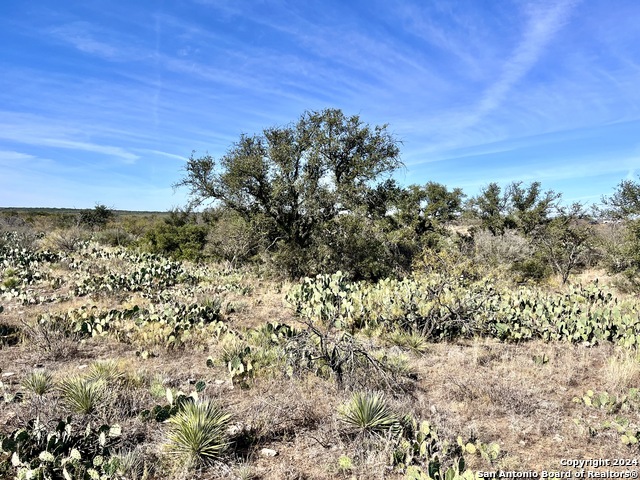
(625, 202)
(427, 207)
(96, 217)
(298, 176)
(518, 207)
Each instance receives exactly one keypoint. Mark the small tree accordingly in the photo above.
(299, 176)
(524, 208)
(428, 207)
(625, 202)
(490, 206)
(529, 207)
(179, 235)
(98, 217)
(623, 252)
(566, 240)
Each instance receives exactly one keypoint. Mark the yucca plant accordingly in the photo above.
(107, 371)
(409, 340)
(198, 432)
(82, 395)
(129, 464)
(368, 413)
(38, 383)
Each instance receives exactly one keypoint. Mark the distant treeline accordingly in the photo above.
(70, 211)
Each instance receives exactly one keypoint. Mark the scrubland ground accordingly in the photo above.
(148, 336)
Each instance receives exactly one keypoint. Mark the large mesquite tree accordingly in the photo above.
(299, 176)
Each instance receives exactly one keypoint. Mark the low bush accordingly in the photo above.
(505, 249)
(66, 240)
(114, 237)
(54, 340)
(184, 242)
(534, 269)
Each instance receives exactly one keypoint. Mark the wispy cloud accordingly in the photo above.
(163, 154)
(12, 156)
(81, 35)
(83, 146)
(453, 31)
(16, 130)
(544, 21)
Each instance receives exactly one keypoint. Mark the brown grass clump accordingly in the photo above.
(622, 371)
(52, 340)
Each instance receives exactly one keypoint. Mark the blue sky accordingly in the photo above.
(102, 101)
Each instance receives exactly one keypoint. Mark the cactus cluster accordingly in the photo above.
(31, 277)
(175, 401)
(441, 307)
(147, 276)
(629, 402)
(169, 324)
(23, 269)
(423, 455)
(61, 451)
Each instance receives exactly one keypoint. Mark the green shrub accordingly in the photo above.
(11, 283)
(96, 218)
(620, 246)
(184, 242)
(534, 269)
(360, 247)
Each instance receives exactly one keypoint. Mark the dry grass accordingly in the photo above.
(622, 371)
(497, 392)
(482, 390)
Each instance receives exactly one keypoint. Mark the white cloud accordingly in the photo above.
(28, 131)
(81, 35)
(163, 154)
(11, 156)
